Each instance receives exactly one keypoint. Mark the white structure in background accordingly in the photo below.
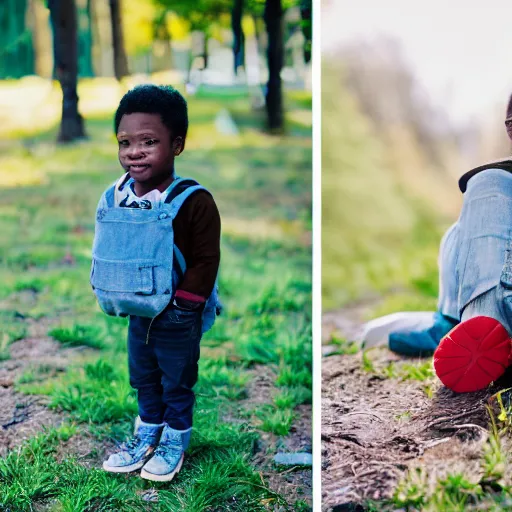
(225, 124)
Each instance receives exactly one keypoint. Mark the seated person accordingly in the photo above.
(470, 333)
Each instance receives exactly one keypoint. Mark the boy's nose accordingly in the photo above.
(134, 153)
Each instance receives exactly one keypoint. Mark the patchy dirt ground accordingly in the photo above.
(293, 482)
(23, 416)
(376, 427)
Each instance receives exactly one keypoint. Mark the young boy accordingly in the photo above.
(151, 125)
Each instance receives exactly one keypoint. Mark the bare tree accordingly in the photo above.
(238, 34)
(120, 60)
(274, 20)
(305, 12)
(65, 51)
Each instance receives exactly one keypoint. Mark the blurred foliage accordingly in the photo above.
(199, 13)
(376, 234)
(138, 19)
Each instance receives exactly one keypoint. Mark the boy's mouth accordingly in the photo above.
(137, 168)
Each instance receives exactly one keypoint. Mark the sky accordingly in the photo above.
(460, 51)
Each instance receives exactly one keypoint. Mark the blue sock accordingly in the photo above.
(422, 343)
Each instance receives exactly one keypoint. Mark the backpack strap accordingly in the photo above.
(180, 198)
(179, 263)
(178, 186)
(179, 191)
(180, 259)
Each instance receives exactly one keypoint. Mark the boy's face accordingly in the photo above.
(147, 148)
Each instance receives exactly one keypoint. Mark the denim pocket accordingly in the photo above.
(185, 315)
(178, 330)
(123, 276)
(174, 317)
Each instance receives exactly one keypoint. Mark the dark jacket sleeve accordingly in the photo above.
(198, 232)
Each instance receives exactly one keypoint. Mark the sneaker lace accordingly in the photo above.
(168, 448)
(132, 443)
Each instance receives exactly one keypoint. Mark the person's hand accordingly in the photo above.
(187, 305)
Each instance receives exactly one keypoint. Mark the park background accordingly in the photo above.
(244, 68)
(412, 97)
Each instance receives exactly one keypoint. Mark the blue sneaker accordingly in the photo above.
(168, 457)
(134, 453)
(422, 343)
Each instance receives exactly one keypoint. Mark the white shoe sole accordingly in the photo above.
(162, 478)
(123, 469)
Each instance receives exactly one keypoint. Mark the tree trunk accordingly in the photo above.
(305, 12)
(274, 21)
(42, 39)
(205, 49)
(120, 60)
(238, 34)
(162, 49)
(102, 47)
(85, 66)
(65, 54)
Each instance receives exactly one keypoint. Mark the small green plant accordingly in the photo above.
(455, 492)
(428, 389)
(389, 371)
(412, 490)
(34, 284)
(290, 377)
(217, 378)
(404, 416)
(494, 462)
(13, 329)
(79, 335)
(344, 347)
(277, 421)
(4, 347)
(421, 371)
(273, 301)
(368, 365)
(36, 373)
(254, 350)
(291, 397)
(505, 414)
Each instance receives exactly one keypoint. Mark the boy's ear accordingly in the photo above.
(178, 145)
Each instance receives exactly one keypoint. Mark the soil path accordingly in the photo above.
(375, 427)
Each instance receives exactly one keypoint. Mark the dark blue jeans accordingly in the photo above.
(163, 365)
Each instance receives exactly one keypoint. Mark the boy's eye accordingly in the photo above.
(123, 143)
(151, 142)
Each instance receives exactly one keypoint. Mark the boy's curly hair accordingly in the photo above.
(163, 100)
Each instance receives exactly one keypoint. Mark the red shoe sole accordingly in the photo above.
(473, 354)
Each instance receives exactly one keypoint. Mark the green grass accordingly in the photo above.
(13, 329)
(489, 489)
(277, 421)
(78, 335)
(262, 186)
